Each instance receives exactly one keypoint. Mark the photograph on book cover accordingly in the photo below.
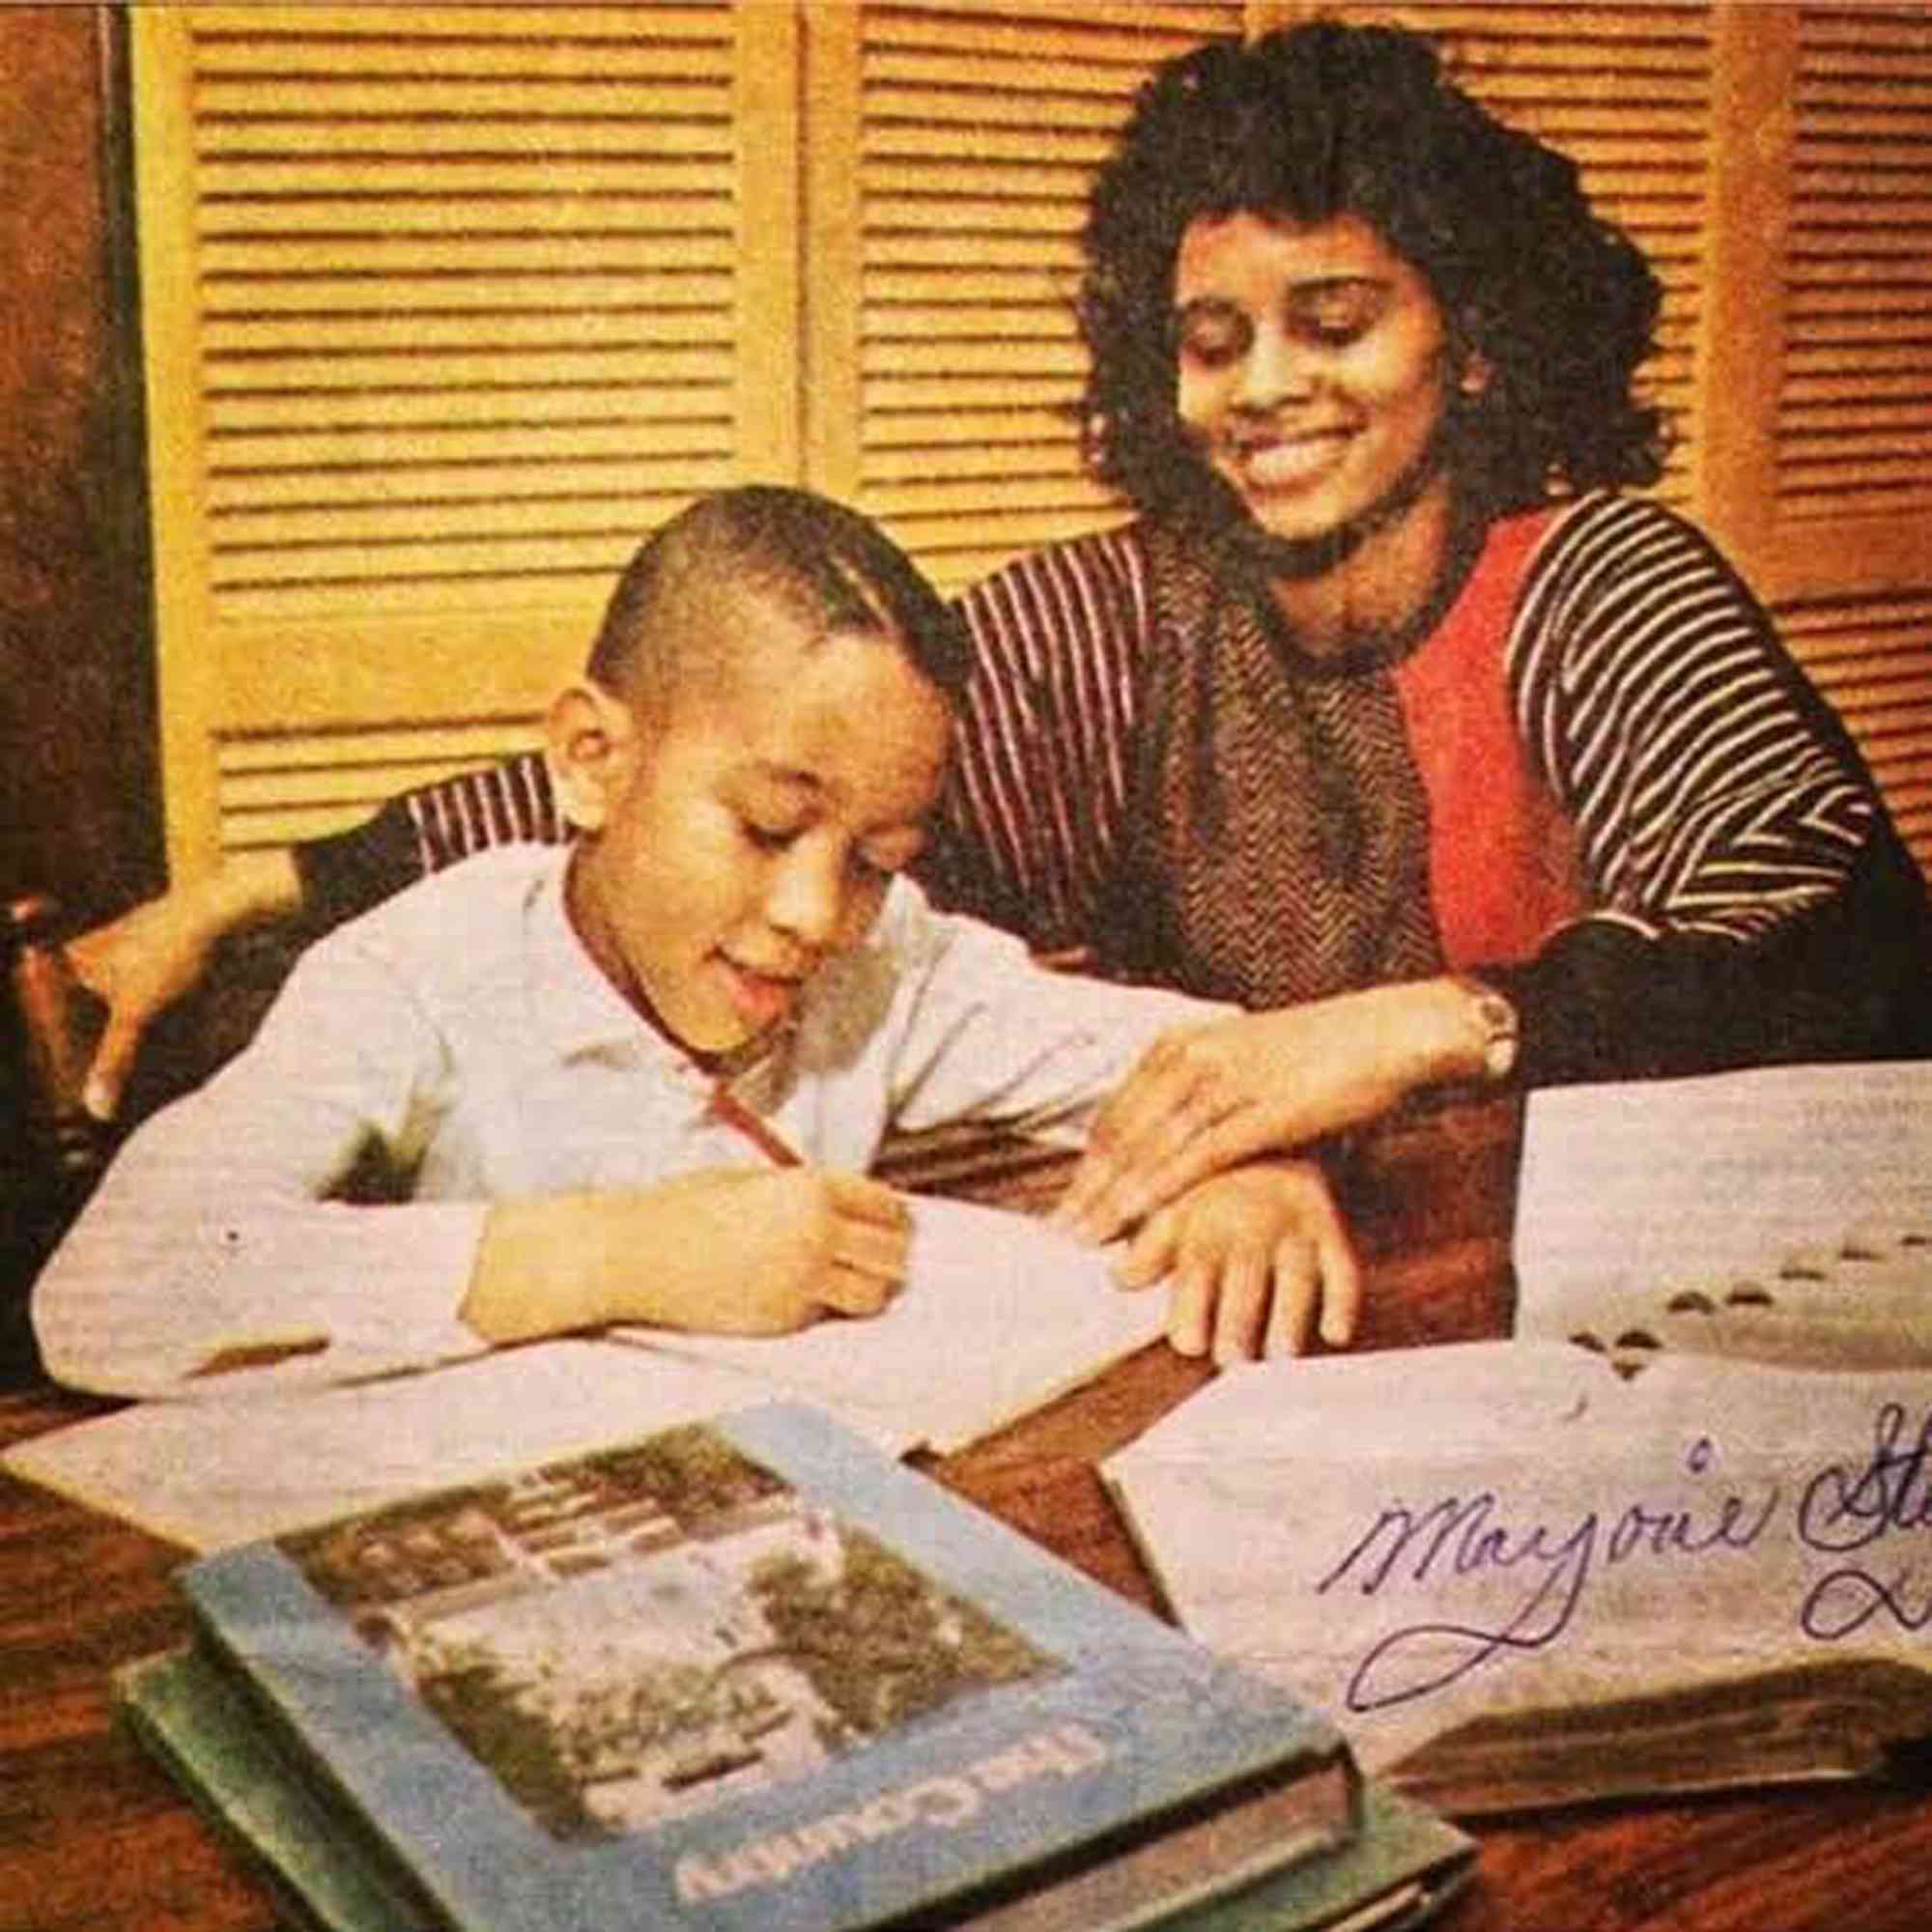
(642, 1633)
(352, 348)
(757, 1665)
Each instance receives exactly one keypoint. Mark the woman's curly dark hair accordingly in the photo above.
(1324, 120)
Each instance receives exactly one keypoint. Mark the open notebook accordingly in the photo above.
(1672, 1534)
(1516, 1576)
(1000, 1313)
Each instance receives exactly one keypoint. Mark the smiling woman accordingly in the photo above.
(1390, 713)
(1312, 366)
(1315, 373)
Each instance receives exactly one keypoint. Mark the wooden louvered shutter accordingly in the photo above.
(1855, 405)
(952, 146)
(1854, 408)
(443, 306)
(1822, 479)
(1854, 413)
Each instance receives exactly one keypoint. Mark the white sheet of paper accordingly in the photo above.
(1000, 1313)
(1796, 1202)
(211, 1474)
(1413, 1538)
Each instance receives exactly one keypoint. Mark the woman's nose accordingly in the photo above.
(1276, 369)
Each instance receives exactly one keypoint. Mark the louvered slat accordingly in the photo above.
(278, 789)
(490, 211)
(982, 128)
(446, 305)
(1855, 417)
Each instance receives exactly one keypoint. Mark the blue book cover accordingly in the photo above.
(1402, 1864)
(754, 1671)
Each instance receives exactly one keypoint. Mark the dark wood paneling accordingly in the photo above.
(79, 812)
(80, 793)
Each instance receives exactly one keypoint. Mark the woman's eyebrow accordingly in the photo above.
(1319, 285)
(787, 778)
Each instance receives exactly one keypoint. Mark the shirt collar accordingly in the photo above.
(578, 1010)
(572, 1005)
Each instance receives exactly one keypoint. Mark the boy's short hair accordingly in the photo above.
(832, 567)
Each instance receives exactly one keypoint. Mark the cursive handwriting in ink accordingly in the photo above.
(1846, 1510)
(1457, 1537)
(1843, 1510)
(1843, 1602)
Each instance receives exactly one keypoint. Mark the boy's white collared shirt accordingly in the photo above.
(463, 1027)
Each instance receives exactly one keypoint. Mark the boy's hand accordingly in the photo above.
(732, 1251)
(1206, 1097)
(1251, 1255)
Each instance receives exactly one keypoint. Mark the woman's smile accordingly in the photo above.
(1270, 461)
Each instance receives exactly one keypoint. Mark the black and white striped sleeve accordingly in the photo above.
(1710, 789)
(1040, 774)
(422, 831)
(1750, 899)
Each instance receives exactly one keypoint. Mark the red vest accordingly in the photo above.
(1503, 871)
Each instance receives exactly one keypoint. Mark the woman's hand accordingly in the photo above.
(142, 962)
(1251, 1255)
(734, 1251)
(1205, 1097)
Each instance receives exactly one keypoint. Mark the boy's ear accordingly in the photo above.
(590, 741)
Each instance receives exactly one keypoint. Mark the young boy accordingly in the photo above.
(597, 1072)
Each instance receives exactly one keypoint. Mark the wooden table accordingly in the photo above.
(92, 1838)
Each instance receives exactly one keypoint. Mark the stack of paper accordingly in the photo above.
(1782, 1214)
(1000, 1313)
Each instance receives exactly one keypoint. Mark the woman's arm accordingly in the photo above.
(151, 957)
(1038, 788)
(1752, 902)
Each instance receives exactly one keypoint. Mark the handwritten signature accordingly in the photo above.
(1847, 1509)
(1464, 1536)
(1842, 1510)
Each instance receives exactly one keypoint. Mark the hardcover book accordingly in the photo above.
(1544, 1576)
(1400, 1867)
(746, 1672)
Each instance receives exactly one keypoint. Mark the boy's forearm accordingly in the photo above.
(537, 1270)
(554, 1265)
